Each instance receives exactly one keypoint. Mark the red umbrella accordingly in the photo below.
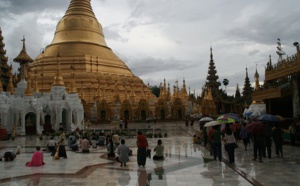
(256, 128)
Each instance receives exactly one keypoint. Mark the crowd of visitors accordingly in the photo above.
(261, 133)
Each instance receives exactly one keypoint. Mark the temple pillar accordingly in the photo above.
(296, 108)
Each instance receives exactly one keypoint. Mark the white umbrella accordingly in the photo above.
(212, 123)
(206, 119)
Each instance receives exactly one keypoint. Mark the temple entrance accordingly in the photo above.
(162, 114)
(103, 115)
(179, 114)
(143, 115)
(30, 124)
(126, 114)
(63, 119)
(47, 125)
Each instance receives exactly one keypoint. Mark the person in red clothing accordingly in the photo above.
(142, 145)
(210, 141)
(37, 159)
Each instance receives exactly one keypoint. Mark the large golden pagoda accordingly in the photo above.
(84, 57)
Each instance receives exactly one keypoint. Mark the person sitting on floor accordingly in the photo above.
(111, 148)
(159, 151)
(116, 139)
(37, 159)
(85, 145)
(94, 142)
(123, 151)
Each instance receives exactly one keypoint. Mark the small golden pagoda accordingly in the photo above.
(85, 59)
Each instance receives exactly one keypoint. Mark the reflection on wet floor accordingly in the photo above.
(185, 164)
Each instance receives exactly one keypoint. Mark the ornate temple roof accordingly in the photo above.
(23, 57)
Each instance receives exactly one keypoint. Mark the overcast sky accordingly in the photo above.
(169, 39)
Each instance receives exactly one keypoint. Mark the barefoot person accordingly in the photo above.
(159, 151)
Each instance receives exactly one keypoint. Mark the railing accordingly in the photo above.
(288, 66)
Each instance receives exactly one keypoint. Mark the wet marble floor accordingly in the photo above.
(185, 164)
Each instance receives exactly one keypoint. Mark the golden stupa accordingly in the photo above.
(84, 57)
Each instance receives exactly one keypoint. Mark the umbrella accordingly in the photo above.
(227, 118)
(256, 128)
(268, 117)
(232, 116)
(280, 117)
(248, 114)
(212, 123)
(206, 119)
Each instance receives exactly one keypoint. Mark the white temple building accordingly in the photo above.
(26, 114)
(26, 111)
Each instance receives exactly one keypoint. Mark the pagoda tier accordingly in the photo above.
(80, 47)
(4, 68)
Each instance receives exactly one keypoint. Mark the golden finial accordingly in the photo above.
(58, 80)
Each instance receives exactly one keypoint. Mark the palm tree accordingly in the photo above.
(225, 83)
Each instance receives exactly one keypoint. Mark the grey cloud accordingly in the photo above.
(148, 65)
(21, 6)
(111, 34)
(253, 52)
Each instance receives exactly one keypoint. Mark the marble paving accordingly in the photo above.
(185, 164)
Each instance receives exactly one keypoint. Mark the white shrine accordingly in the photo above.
(26, 111)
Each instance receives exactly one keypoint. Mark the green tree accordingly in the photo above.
(225, 83)
(155, 90)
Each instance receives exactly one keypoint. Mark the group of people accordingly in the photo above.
(262, 142)
(113, 143)
(143, 150)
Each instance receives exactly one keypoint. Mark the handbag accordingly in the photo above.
(149, 153)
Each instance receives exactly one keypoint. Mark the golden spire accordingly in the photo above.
(28, 91)
(10, 87)
(58, 80)
(23, 58)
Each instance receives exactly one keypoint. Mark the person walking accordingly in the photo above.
(278, 140)
(216, 140)
(123, 152)
(258, 146)
(210, 141)
(60, 150)
(230, 143)
(268, 141)
(159, 151)
(244, 135)
(142, 145)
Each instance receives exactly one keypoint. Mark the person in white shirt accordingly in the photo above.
(230, 143)
(51, 144)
